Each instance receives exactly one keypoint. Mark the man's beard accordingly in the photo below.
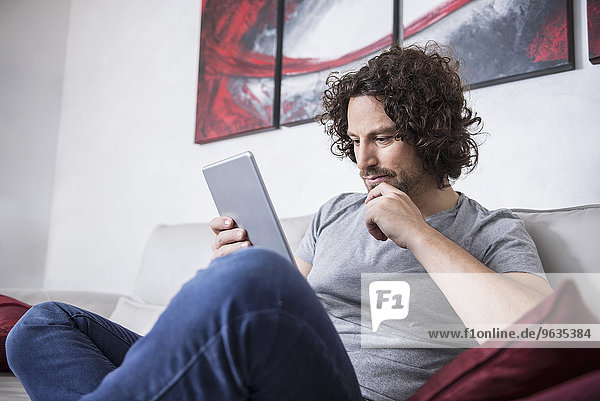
(409, 182)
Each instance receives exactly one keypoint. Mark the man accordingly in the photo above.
(251, 327)
(404, 121)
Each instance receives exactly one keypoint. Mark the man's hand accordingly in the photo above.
(392, 214)
(229, 237)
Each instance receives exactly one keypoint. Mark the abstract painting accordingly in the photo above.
(236, 77)
(593, 23)
(321, 36)
(263, 63)
(500, 40)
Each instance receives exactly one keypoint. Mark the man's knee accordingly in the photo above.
(256, 269)
(247, 280)
(25, 335)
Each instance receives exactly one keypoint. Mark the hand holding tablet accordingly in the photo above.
(239, 192)
(229, 238)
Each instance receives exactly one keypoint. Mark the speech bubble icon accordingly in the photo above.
(389, 300)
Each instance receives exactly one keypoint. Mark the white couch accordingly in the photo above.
(566, 240)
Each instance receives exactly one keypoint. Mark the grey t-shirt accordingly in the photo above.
(339, 248)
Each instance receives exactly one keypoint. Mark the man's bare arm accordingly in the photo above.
(477, 298)
(391, 214)
(303, 266)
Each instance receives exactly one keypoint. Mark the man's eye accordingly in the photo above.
(355, 142)
(383, 139)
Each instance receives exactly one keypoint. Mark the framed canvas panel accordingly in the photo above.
(593, 23)
(498, 40)
(321, 36)
(236, 77)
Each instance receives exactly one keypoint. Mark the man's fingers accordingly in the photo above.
(229, 237)
(372, 226)
(376, 232)
(221, 223)
(230, 248)
(382, 189)
(374, 193)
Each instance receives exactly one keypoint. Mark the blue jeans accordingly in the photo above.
(249, 327)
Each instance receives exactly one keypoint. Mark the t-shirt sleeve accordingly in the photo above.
(324, 216)
(306, 249)
(509, 247)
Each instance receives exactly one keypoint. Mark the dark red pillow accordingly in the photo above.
(582, 388)
(11, 311)
(510, 373)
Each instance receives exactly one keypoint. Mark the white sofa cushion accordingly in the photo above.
(171, 257)
(566, 239)
(567, 242)
(136, 316)
(174, 253)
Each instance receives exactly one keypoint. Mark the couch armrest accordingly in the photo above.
(98, 302)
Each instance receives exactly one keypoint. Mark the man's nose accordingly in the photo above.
(365, 156)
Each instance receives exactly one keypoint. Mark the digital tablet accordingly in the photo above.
(239, 192)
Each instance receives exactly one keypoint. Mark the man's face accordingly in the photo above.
(379, 156)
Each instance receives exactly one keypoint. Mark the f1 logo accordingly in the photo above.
(389, 300)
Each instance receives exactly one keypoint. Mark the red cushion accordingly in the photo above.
(583, 388)
(11, 311)
(512, 373)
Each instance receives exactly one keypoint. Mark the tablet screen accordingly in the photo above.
(239, 192)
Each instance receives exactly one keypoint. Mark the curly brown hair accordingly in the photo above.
(421, 91)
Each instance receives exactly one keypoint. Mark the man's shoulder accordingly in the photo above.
(499, 239)
(344, 203)
(471, 206)
(476, 215)
(345, 200)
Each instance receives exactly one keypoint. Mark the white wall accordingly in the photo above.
(544, 145)
(33, 38)
(126, 159)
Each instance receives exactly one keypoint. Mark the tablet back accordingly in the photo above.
(239, 192)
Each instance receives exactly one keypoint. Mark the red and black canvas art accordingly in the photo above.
(263, 63)
(501, 40)
(247, 84)
(236, 77)
(593, 23)
(322, 36)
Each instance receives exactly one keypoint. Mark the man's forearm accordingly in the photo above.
(506, 296)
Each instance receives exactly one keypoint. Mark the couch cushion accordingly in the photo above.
(102, 303)
(582, 388)
(136, 316)
(11, 311)
(566, 239)
(295, 228)
(512, 373)
(174, 253)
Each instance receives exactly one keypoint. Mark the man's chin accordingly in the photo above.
(370, 186)
(391, 182)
